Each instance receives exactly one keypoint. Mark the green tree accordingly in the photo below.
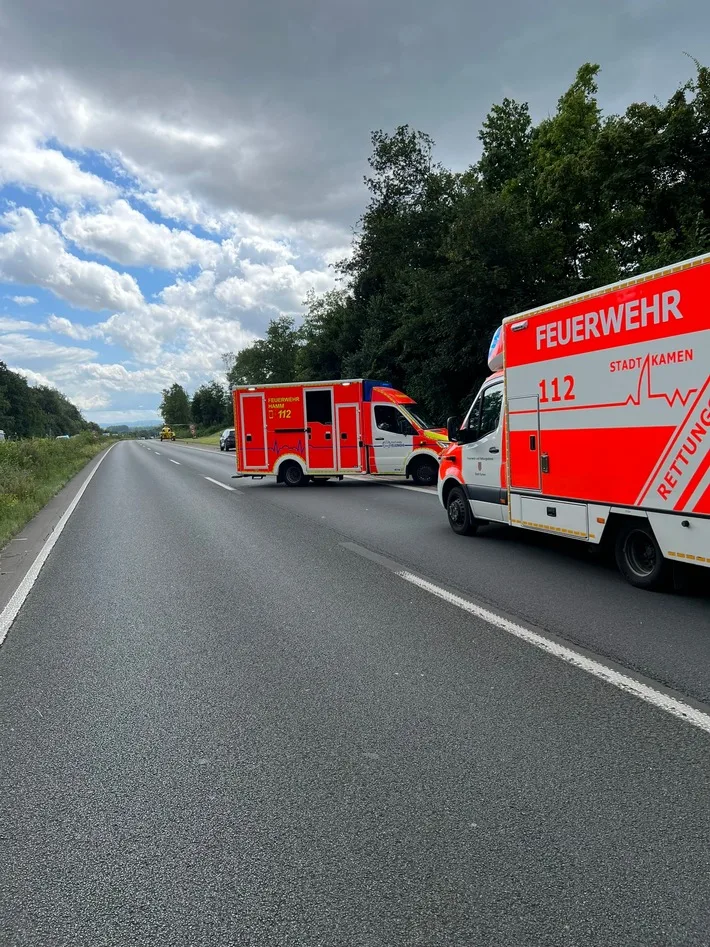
(211, 405)
(26, 411)
(175, 405)
(271, 359)
(550, 209)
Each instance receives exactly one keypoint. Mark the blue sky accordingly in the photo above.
(110, 300)
(167, 188)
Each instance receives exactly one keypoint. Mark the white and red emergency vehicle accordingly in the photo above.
(596, 424)
(314, 430)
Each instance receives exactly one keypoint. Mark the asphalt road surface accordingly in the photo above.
(227, 719)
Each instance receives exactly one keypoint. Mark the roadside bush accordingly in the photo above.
(32, 471)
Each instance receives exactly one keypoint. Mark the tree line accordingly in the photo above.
(209, 407)
(549, 210)
(27, 411)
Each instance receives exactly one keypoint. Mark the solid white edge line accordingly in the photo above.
(224, 486)
(11, 610)
(627, 684)
(174, 461)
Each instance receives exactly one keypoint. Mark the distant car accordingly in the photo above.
(2, 435)
(226, 439)
(62, 437)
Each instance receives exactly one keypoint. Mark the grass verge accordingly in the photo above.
(33, 471)
(212, 439)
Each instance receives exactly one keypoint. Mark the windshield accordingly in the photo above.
(414, 412)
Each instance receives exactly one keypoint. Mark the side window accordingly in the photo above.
(485, 414)
(490, 409)
(474, 416)
(319, 408)
(389, 418)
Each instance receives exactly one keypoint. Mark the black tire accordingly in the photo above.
(293, 475)
(639, 557)
(458, 509)
(425, 472)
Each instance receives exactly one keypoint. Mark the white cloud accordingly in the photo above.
(73, 330)
(281, 288)
(17, 325)
(33, 253)
(108, 418)
(23, 300)
(24, 161)
(21, 348)
(126, 236)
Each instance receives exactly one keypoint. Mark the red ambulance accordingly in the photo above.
(314, 430)
(596, 424)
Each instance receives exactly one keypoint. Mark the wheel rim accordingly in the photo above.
(641, 553)
(293, 475)
(457, 511)
(426, 474)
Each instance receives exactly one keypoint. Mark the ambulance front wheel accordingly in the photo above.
(425, 471)
(293, 475)
(639, 557)
(458, 508)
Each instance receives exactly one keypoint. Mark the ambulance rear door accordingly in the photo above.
(252, 430)
(348, 437)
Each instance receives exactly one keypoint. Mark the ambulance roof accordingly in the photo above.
(309, 384)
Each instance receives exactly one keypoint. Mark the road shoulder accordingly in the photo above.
(17, 557)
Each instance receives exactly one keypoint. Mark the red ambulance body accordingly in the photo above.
(596, 424)
(314, 430)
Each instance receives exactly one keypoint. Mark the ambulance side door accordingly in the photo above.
(482, 454)
(392, 438)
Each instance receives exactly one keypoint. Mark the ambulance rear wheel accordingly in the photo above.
(639, 557)
(459, 512)
(293, 475)
(425, 472)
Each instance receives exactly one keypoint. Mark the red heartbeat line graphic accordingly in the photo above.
(671, 399)
(634, 399)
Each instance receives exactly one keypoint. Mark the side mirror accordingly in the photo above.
(452, 428)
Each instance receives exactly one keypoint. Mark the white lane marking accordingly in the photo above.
(397, 486)
(174, 461)
(203, 450)
(9, 613)
(402, 486)
(627, 684)
(157, 452)
(224, 486)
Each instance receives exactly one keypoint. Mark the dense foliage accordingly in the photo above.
(36, 412)
(577, 201)
(33, 470)
(211, 406)
(175, 406)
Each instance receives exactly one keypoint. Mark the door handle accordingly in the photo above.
(248, 437)
(493, 450)
(327, 435)
(533, 442)
(343, 436)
